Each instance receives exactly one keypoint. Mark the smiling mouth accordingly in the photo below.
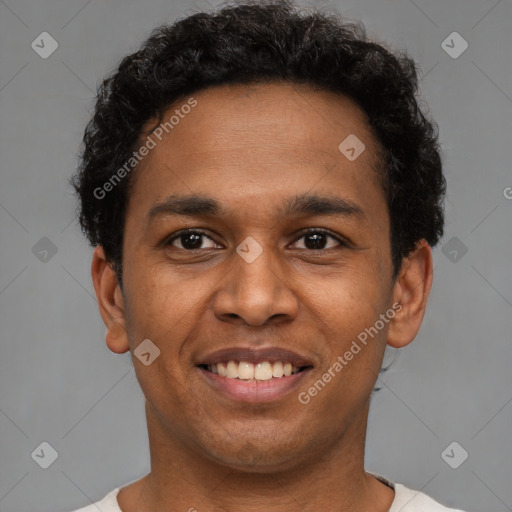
(244, 370)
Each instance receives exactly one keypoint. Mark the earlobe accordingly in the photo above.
(116, 338)
(110, 302)
(411, 290)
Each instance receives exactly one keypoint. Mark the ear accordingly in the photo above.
(110, 302)
(411, 291)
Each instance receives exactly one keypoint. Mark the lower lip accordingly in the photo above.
(254, 391)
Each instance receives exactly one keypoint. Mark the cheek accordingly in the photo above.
(161, 298)
(347, 297)
(166, 308)
(346, 308)
(163, 313)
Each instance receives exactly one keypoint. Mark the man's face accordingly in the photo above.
(263, 164)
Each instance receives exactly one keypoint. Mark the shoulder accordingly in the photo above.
(107, 504)
(408, 500)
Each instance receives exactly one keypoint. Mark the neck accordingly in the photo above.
(332, 479)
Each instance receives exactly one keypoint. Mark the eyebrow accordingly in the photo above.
(303, 204)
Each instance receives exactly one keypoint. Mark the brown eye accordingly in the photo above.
(192, 240)
(317, 240)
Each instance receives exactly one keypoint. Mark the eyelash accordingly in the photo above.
(309, 231)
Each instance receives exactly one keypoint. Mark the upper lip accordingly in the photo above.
(253, 355)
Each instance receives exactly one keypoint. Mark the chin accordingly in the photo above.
(259, 454)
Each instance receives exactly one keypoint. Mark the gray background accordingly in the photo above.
(60, 384)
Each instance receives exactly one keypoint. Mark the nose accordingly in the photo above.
(255, 293)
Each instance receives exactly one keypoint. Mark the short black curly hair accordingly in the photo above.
(265, 41)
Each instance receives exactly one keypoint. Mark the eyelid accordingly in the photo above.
(341, 240)
(170, 239)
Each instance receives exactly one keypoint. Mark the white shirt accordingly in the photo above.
(406, 500)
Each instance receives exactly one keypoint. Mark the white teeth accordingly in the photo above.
(232, 370)
(277, 369)
(263, 371)
(248, 371)
(245, 370)
(221, 368)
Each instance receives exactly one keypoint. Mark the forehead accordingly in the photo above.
(283, 112)
(256, 137)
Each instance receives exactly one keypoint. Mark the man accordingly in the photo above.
(263, 193)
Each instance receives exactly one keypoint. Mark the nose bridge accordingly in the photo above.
(257, 275)
(253, 289)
